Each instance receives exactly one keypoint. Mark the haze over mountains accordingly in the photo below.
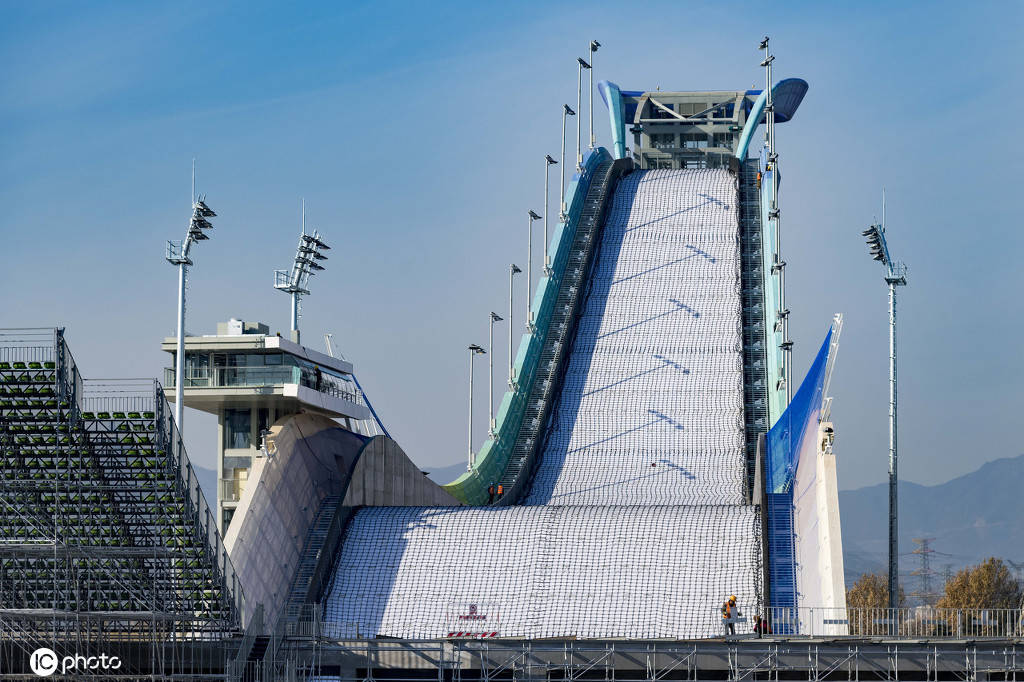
(972, 517)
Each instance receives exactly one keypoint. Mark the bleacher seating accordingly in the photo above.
(96, 514)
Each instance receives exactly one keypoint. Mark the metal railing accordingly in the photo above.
(203, 516)
(921, 622)
(231, 489)
(118, 395)
(228, 377)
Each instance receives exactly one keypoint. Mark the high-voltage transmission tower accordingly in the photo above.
(178, 254)
(895, 275)
(296, 280)
(926, 574)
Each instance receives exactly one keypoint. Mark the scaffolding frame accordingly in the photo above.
(814, 660)
(106, 542)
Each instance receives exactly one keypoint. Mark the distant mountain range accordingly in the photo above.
(970, 518)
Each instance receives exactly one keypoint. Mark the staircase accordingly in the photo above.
(311, 553)
(560, 331)
(755, 367)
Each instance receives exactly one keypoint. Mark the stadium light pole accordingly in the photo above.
(579, 104)
(529, 271)
(306, 263)
(895, 275)
(778, 265)
(548, 162)
(513, 270)
(593, 48)
(495, 317)
(474, 350)
(566, 111)
(178, 254)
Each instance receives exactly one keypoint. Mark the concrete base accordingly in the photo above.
(312, 460)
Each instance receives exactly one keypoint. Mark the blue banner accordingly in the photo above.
(797, 424)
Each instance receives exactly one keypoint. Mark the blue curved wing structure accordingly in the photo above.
(787, 95)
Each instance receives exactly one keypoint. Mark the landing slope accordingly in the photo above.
(636, 524)
(651, 408)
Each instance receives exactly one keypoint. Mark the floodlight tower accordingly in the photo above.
(178, 254)
(296, 280)
(494, 317)
(566, 111)
(579, 103)
(895, 275)
(513, 270)
(532, 215)
(474, 350)
(778, 265)
(593, 48)
(548, 162)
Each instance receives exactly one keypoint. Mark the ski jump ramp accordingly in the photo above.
(636, 524)
(636, 502)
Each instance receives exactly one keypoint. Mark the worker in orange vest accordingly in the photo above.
(730, 611)
(501, 490)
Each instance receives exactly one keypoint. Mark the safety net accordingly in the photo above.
(651, 408)
(636, 524)
(545, 571)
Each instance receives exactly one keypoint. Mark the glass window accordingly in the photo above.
(663, 140)
(262, 420)
(254, 360)
(695, 140)
(272, 358)
(237, 427)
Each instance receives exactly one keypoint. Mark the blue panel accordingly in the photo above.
(786, 97)
(781, 561)
(797, 423)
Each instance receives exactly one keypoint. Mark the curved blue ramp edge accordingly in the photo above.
(795, 429)
(612, 97)
(787, 96)
(493, 457)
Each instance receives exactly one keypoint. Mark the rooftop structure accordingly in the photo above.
(250, 379)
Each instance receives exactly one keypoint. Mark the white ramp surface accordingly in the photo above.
(623, 571)
(636, 524)
(651, 410)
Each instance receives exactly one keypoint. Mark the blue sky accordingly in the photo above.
(416, 133)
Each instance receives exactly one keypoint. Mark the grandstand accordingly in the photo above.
(109, 546)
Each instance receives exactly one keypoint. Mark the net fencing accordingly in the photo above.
(543, 571)
(636, 524)
(651, 407)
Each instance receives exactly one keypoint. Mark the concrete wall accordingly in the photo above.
(312, 459)
(819, 542)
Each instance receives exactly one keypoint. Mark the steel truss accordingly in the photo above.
(653, 661)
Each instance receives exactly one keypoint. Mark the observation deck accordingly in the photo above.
(248, 365)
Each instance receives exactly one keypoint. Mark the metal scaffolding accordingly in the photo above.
(106, 541)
